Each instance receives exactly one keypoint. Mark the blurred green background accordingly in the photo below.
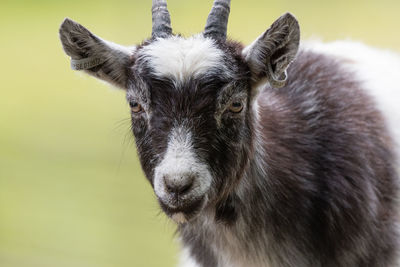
(71, 189)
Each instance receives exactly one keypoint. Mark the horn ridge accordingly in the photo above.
(217, 21)
(161, 19)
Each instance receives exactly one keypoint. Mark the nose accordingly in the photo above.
(178, 185)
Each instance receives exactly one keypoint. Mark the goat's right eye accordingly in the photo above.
(136, 107)
(236, 107)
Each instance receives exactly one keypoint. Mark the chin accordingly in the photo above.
(183, 211)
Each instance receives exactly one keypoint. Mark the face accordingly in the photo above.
(190, 100)
(191, 120)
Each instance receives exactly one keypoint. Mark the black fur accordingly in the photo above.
(310, 180)
(330, 194)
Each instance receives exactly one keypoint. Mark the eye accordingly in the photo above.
(236, 107)
(136, 107)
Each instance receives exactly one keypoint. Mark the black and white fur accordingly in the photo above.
(305, 174)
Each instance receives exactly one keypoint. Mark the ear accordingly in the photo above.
(270, 55)
(102, 59)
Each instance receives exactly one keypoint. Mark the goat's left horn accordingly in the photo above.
(217, 21)
(161, 19)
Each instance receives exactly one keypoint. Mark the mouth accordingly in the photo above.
(183, 212)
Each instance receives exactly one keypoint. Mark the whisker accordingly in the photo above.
(127, 139)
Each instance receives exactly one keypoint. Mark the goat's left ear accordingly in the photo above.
(97, 57)
(270, 55)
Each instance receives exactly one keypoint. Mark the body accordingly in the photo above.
(329, 160)
(265, 155)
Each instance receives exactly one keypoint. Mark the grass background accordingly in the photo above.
(71, 189)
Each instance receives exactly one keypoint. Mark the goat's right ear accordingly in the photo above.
(270, 55)
(99, 58)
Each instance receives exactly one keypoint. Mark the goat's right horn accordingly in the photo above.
(161, 19)
(217, 21)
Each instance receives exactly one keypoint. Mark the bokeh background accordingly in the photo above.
(71, 189)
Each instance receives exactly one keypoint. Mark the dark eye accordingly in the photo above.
(136, 107)
(236, 107)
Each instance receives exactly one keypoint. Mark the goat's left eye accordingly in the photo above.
(236, 107)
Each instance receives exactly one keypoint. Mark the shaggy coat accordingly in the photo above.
(321, 185)
(266, 155)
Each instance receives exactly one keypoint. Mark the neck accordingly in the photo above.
(228, 228)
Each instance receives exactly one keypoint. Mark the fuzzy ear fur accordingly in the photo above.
(270, 55)
(97, 57)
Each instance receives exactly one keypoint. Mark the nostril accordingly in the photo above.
(179, 186)
(185, 188)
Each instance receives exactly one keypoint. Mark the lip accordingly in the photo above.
(188, 208)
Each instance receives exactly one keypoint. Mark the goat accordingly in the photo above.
(274, 154)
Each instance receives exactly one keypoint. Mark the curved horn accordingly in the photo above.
(217, 21)
(161, 19)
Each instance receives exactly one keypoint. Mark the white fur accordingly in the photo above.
(225, 245)
(180, 158)
(186, 260)
(180, 58)
(379, 70)
(179, 218)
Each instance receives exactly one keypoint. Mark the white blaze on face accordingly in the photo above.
(180, 58)
(180, 158)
